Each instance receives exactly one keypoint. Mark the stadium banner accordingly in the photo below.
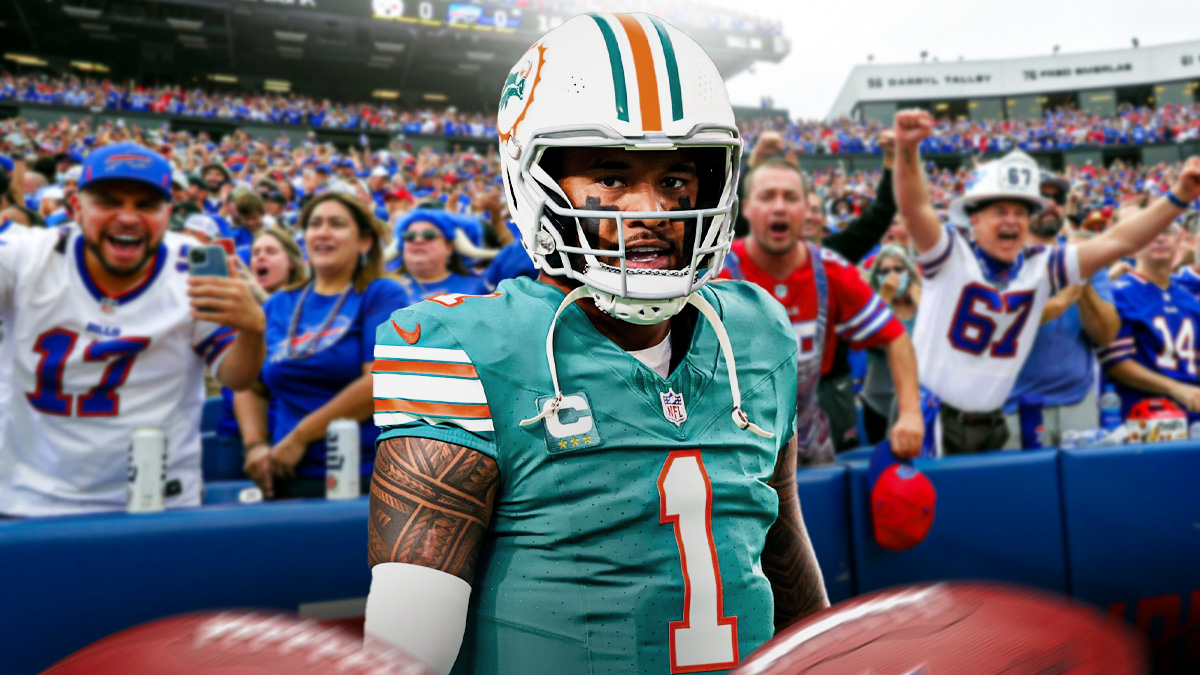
(1011, 77)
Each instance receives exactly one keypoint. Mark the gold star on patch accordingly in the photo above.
(562, 445)
(587, 439)
(574, 441)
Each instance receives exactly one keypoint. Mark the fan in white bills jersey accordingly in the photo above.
(89, 368)
(977, 321)
(8, 230)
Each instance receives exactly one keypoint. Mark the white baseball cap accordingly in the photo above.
(380, 172)
(1013, 177)
(52, 192)
(73, 174)
(198, 222)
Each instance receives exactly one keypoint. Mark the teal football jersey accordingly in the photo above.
(629, 525)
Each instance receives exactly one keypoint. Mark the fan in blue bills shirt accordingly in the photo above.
(429, 265)
(316, 347)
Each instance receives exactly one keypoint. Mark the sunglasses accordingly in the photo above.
(889, 270)
(427, 235)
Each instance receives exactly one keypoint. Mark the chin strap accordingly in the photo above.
(739, 416)
(714, 319)
(551, 406)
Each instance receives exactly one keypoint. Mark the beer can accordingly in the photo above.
(1029, 410)
(342, 456)
(147, 471)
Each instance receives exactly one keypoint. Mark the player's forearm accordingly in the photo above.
(1136, 376)
(788, 559)
(354, 402)
(1099, 318)
(912, 200)
(902, 362)
(243, 361)
(250, 409)
(431, 503)
(1127, 238)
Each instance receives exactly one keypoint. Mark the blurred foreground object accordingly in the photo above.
(237, 642)
(953, 627)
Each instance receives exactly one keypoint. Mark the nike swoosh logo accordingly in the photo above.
(409, 336)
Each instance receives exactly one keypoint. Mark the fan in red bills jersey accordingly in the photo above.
(108, 334)
(985, 289)
(826, 300)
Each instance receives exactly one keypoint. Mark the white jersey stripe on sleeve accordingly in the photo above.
(862, 316)
(873, 327)
(426, 388)
(421, 354)
(391, 419)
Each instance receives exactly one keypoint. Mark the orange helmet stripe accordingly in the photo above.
(647, 78)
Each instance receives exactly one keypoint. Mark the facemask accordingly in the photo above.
(903, 284)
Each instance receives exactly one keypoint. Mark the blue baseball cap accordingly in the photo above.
(128, 161)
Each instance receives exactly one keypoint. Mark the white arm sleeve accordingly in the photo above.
(420, 610)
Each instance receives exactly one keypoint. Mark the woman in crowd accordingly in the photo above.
(895, 278)
(429, 264)
(275, 263)
(320, 345)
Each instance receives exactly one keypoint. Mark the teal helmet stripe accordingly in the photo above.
(672, 67)
(618, 69)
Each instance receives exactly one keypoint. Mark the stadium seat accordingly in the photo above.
(220, 461)
(213, 408)
(998, 516)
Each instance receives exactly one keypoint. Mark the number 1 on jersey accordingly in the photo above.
(704, 639)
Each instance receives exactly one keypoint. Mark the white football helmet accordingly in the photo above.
(623, 81)
(1015, 176)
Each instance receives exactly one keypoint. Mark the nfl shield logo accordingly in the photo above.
(673, 408)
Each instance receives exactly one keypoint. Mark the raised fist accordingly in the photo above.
(912, 127)
(887, 142)
(1187, 187)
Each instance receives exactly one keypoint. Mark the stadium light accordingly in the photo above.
(25, 59)
(481, 56)
(90, 67)
(435, 97)
(389, 47)
(386, 93)
(282, 86)
(184, 24)
(225, 79)
(290, 36)
(81, 12)
(380, 61)
(469, 67)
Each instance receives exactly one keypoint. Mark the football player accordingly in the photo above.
(105, 341)
(594, 471)
(1154, 354)
(985, 290)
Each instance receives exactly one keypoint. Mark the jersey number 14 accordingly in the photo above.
(705, 639)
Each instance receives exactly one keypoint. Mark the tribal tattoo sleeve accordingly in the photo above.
(431, 503)
(788, 559)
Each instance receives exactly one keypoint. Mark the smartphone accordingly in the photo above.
(208, 261)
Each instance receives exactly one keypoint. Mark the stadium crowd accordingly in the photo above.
(1061, 129)
(331, 241)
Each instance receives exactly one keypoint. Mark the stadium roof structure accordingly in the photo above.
(425, 50)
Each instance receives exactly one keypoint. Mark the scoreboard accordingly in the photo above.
(488, 15)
